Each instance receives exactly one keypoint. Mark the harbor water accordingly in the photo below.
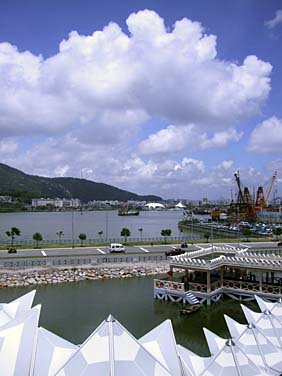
(74, 310)
(89, 223)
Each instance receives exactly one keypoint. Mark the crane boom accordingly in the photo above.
(270, 188)
(240, 193)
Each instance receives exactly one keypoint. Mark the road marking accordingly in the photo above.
(43, 253)
(144, 249)
(100, 250)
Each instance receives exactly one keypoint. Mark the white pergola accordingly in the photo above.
(29, 350)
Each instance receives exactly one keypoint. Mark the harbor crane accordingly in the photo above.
(247, 206)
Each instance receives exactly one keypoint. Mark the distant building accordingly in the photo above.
(6, 199)
(57, 202)
(36, 202)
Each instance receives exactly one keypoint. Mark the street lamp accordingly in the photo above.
(238, 228)
(106, 231)
(72, 227)
(212, 238)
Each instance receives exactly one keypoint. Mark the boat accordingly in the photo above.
(128, 212)
(190, 309)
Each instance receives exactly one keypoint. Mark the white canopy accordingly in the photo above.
(10, 311)
(52, 352)
(27, 350)
(160, 342)
(112, 350)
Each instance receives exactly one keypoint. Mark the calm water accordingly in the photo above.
(90, 223)
(74, 310)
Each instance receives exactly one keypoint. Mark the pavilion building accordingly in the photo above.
(209, 273)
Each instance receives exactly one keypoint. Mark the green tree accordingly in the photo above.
(140, 230)
(207, 236)
(125, 232)
(12, 234)
(100, 233)
(37, 237)
(82, 238)
(60, 234)
(278, 232)
(165, 233)
(247, 233)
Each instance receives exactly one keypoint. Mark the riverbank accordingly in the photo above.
(43, 276)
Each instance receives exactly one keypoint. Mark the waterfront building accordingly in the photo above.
(57, 202)
(270, 216)
(210, 273)
(7, 199)
(26, 349)
(36, 202)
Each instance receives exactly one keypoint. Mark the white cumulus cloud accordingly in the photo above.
(174, 139)
(267, 137)
(152, 72)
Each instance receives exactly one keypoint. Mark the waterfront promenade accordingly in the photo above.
(52, 257)
(44, 266)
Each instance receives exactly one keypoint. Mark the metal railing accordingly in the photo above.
(55, 261)
(68, 241)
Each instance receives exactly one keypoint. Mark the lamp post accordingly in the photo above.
(212, 238)
(192, 219)
(238, 228)
(72, 227)
(106, 231)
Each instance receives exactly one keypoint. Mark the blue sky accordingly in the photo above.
(163, 97)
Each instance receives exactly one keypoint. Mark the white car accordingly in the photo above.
(116, 247)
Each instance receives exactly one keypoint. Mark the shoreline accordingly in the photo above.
(50, 276)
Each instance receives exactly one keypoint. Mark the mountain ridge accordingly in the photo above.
(13, 181)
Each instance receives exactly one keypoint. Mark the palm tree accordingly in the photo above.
(100, 233)
(247, 233)
(166, 232)
(125, 232)
(60, 234)
(12, 234)
(140, 230)
(278, 232)
(37, 237)
(82, 237)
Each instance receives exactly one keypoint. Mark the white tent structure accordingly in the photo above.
(29, 350)
(51, 353)
(10, 311)
(253, 342)
(112, 350)
(180, 205)
(17, 344)
(161, 343)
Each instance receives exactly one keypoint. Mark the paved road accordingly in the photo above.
(138, 250)
(85, 251)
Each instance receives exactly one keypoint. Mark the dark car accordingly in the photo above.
(175, 252)
(279, 244)
(12, 250)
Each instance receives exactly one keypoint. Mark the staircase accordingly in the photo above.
(191, 298)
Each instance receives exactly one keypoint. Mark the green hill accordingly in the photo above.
(17, 183)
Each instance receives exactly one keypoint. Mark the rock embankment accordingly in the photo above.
(15, 278)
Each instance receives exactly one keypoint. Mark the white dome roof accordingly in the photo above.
(155, 205)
